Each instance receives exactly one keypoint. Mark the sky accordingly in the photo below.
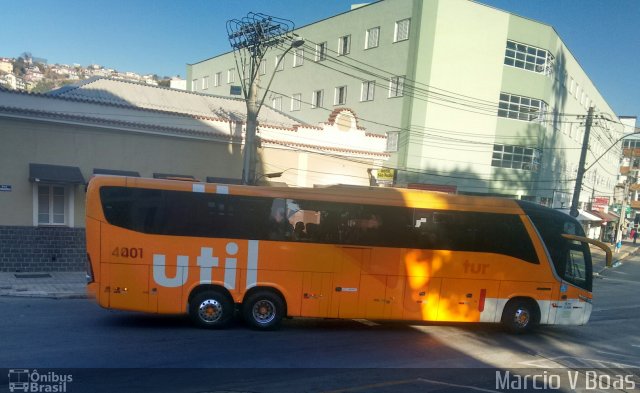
(163, 36)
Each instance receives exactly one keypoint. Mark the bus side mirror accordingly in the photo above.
(599, 244)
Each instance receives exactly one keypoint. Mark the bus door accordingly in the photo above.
(572, 304)
(346, 281)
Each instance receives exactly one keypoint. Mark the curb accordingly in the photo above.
(45, 295)
(616, 262)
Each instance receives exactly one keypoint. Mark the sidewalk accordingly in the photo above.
(72, 285)
(56, 285)
(628, 248)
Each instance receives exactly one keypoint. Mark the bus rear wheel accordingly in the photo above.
(520, 316)
(263, 310)
(211, 309)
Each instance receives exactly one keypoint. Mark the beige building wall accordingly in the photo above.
(25, 142)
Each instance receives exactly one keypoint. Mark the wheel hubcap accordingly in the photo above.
(210, 310)
(522, 317)
(264, 311)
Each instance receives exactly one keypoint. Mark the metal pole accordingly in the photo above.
(250, 145)
(583, 156)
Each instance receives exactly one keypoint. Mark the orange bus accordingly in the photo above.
(209, 250)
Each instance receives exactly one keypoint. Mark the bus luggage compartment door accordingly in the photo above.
(129, 287)
(465, 300)
(346, 281)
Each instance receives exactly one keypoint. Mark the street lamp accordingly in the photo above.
(251, 38)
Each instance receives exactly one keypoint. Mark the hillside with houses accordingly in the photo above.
(28, 73)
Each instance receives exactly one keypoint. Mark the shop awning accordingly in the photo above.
(583, 215)
(606, 217)
(55, 174)
(115, 172)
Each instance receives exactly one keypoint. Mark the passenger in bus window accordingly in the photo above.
(299, 232)
(279, 227)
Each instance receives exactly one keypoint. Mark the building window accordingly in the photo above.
(368, 89)
(392, 141)
(316, 99)
(296, 102)
(516, 157)
(51, 204)
(528, 57)
(340, 97)
(402, 30)
(344, 45)
(321, 51)
(396, 86)
(277, 103)
(263, 67)
(216, 79)
(521, 108)
(279, 64)
(231, 75)
(298, 57)
(372, 38)
(205, 82)
(194, 84)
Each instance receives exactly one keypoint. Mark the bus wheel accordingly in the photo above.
(520, 316)
(263, 310)
(211, 309)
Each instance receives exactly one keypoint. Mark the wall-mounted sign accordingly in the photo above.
(235, 90)
(5, 187)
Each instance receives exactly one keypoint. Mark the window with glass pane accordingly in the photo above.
(521, 108)
(396, 86)
(298, 57)
(317, 99)
(216, 78)
(516, 157)
(231, 75)
(263, 67)
(51, 205)
(296, 101)
(341, 95)
(321, 51)
(392, 141)
(279, 64)
(277, 103)
(344, 45)
(368, 88)
(194, 85)
(402, 30)
(372, 38)
(528, 57)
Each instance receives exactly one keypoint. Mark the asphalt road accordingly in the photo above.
(165, 353)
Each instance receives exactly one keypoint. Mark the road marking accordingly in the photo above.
(637, 346)
(620, 354)
(367, 322)
(407, 381)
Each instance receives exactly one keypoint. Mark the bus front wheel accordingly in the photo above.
(211, 309)
(263, 310)
(520, 316)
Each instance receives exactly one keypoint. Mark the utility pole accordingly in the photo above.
(251, 38)
(583, 156)
(625, 195)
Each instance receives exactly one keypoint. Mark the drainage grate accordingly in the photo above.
(32, 275)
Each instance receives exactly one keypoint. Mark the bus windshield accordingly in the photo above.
(571, 258)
